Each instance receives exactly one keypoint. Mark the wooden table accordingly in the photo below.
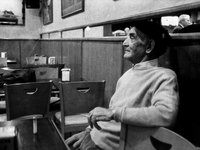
(46, 138)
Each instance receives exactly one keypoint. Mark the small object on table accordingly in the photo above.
(66, 74)
(34, 125)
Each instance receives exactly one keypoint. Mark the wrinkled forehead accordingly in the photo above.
(139, 33)
(188, 17)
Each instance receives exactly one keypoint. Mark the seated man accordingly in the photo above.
(146, 95)
(183, 21)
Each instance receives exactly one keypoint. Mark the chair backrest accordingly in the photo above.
(80, 97)
(146, 138)
(24, 99)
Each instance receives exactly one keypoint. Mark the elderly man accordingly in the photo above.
(146, 95)
(183, 21)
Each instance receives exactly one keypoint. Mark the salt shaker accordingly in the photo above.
(66, 74)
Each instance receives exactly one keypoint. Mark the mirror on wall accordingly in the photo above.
(168, 20)
(12, 12)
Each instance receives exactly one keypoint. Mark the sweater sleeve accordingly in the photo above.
(162, 111)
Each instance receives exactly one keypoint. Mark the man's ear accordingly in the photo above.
(150, 46)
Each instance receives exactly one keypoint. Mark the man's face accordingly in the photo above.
(186, 22)
(135, 47)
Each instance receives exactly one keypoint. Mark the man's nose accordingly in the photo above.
(125, 43)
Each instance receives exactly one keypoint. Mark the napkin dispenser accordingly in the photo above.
(3, 62)
(36, 60)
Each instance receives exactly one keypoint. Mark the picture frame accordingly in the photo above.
(71, 7)
(47, 6)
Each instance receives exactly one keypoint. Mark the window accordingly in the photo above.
(169, 21)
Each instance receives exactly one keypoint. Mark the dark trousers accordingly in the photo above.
(87, 144)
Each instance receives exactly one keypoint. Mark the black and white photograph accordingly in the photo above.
(47, 11)
(70, 7)
(99, 74)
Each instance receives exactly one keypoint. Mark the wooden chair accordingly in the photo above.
(141, 138)
(50, 72)
(27, 99)
(77, 99)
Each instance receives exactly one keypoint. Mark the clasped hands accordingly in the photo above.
(95, 115)
(99, 114)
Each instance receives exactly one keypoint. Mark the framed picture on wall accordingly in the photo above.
(47, 6)
(71, 7)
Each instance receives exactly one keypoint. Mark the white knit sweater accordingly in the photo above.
(146, 95)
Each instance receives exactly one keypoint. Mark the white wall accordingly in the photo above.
(95, 11)
(106, 10)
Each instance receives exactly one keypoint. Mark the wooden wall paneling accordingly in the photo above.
(29, 48)
(52, 48)
(102, 60)
(189, 81)
(72, 58)
(12, 47)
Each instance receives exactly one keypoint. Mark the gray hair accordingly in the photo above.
(183, 17)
